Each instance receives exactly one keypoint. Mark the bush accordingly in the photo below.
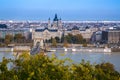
(41, 67)
(84, 45)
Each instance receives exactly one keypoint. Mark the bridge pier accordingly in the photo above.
(40, 41)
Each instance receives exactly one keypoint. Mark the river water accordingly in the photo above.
(93, 57)
(77, 56)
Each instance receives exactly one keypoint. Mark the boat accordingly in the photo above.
(51, 50)
(65, 49)
(90, 50)
(73, 49)
(12, 49)
(107, 49)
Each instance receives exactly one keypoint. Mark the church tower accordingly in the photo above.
(49, 23)
(55, 21)
(55, 18)
(60, 24)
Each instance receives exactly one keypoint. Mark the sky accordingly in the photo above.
(66, 9)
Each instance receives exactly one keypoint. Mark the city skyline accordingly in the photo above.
(66, 9)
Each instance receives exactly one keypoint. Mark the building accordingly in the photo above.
(46, 33)
(100, 37)
(75, 30)
(51, 31)
(85, 32)
(40, 35)
(57, 23)
(110, 36)
(13, 32)
(3, 26)
(113, 36)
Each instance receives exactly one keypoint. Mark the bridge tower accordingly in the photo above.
(38, 41)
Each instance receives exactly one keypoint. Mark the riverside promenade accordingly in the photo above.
(73, 49)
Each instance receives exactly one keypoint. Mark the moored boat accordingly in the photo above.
(65, 49)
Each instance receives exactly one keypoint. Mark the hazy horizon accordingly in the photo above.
(68, 10)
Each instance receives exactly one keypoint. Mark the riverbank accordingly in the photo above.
(103, 50)
(80, 49)
(15, 49)
(115, 49)
(6, 49)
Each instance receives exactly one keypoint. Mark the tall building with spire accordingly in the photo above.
(55, 18)
(60, 24)
(57, 23)
(49, 23)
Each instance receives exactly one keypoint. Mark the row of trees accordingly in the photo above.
(40, 67)
(68, 39)
(18, 38)
(57, 39)
(75, 39)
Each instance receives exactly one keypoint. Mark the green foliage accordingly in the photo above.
(84, 45)
(41, 67)
(57, 39)
(1, 40)
(62, 38)
(8, 39)
(19, 38)
(76, 39)
(50, 40)
(65, 44)
(54, 43)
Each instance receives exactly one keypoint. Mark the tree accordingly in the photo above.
(19, 38)
(57, 39)
(84, 44)
(76, 39)
(54, 43)
(41, 67)
(79, 38)
(62, 38)
(65, 44)
(1, 40)
(69, 38)
(8, 39)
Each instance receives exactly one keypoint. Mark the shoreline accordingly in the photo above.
(85, 49)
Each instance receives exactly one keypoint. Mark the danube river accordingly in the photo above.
(77, 56)
(100, 57)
